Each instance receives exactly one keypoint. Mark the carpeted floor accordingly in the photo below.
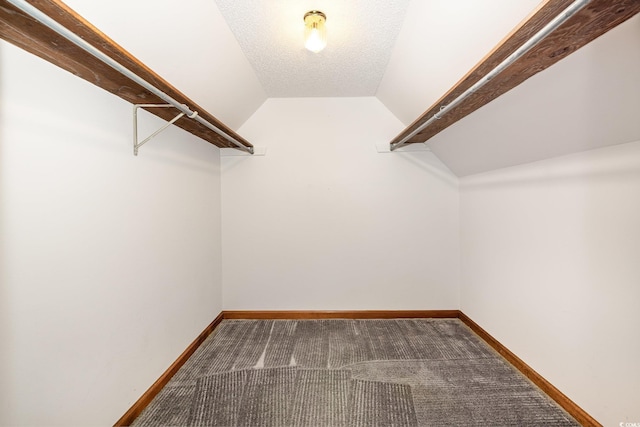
(407, 372)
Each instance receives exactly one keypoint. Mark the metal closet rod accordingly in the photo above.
(81, 43)
(560, 19)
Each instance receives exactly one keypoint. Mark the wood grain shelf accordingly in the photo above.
(22, 30)
(595, 19)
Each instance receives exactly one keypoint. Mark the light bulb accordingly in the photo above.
(315, 34)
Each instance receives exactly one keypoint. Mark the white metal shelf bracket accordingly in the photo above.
(136, 144)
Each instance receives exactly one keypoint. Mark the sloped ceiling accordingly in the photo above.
(361, 36)
(590, 99)
(189, 44)
(229, 56)
(439, 42)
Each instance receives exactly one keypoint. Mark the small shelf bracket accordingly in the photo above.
(136, 144)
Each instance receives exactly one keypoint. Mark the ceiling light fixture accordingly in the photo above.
(315, 33)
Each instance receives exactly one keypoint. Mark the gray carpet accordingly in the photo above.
(407, 372)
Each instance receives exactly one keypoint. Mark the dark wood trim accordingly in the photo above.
(25, 32)
(364, 314)
(148, 395)
(595, 19)
(560, 398)
(574, 410)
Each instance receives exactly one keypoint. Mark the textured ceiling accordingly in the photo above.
(360, 38)
(589, 100)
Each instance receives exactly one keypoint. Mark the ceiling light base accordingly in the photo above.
(315, 33)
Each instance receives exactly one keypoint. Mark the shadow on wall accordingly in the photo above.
(423, 160)
(431, 164)
(173, 147)
(612, 168)
(562, 236)
(4, 297)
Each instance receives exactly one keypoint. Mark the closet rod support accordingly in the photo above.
(74, 38)
(136, 144)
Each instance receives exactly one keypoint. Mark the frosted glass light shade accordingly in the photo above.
(315, 33)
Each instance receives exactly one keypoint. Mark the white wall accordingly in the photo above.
(324, 222)
(189, 44)
(551, 268)
(440, 41)
(590, 99)
(109, 263)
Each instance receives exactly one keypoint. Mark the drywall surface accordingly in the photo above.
(325, 222)
(550, 267)
(590, 99)
(189, 44)
(439, 42)
(109, 263)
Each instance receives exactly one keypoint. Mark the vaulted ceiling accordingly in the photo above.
(361, 38)
(230, 56)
